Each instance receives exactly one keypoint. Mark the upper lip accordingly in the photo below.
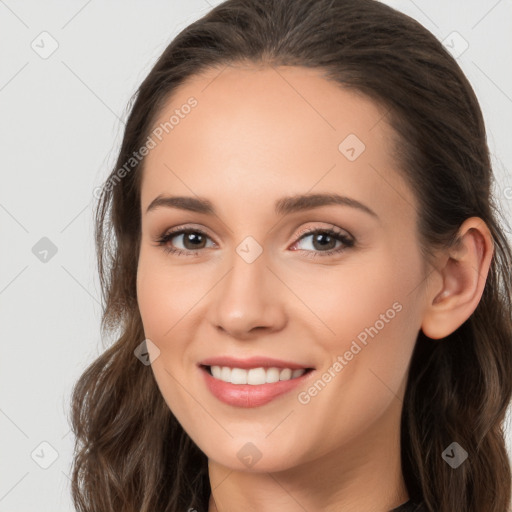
(252, 362)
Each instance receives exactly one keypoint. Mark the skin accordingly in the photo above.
(256, 135)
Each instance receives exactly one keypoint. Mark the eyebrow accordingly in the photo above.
(283, 206)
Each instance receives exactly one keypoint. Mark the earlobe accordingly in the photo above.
(463, 276)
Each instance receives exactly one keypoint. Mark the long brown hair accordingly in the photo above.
(131, 453)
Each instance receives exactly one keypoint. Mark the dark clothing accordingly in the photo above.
(410, 506)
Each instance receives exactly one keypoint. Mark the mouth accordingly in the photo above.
(253, 387)
(254, 376)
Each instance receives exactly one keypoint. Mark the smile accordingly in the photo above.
(253, 387)
(254, 376)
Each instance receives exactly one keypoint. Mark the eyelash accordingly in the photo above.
(346, 241)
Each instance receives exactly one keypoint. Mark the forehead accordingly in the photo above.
(257, 132)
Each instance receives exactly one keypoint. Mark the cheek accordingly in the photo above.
(164, 295)
(369, 357)
(373, 319)
(161, 309)
(153, 301)
(373, 291)
(351, 297)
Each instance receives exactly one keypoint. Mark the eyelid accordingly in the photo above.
(303, 231)
(187, 227)
(332, 227)
(344, 236)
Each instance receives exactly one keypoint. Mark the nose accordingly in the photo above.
(249, 301)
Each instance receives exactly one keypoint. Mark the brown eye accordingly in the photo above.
(184, 241)
(324, 242)
(193, 240)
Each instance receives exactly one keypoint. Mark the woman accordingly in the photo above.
(308, 275)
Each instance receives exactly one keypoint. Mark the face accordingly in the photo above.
(333, 286)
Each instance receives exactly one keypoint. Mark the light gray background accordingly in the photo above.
(61, 123)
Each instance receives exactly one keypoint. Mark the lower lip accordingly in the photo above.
(248, 395)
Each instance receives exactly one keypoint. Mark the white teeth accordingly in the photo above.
(238, 376)
(254, 376)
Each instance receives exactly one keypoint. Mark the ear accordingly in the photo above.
(460, 280)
